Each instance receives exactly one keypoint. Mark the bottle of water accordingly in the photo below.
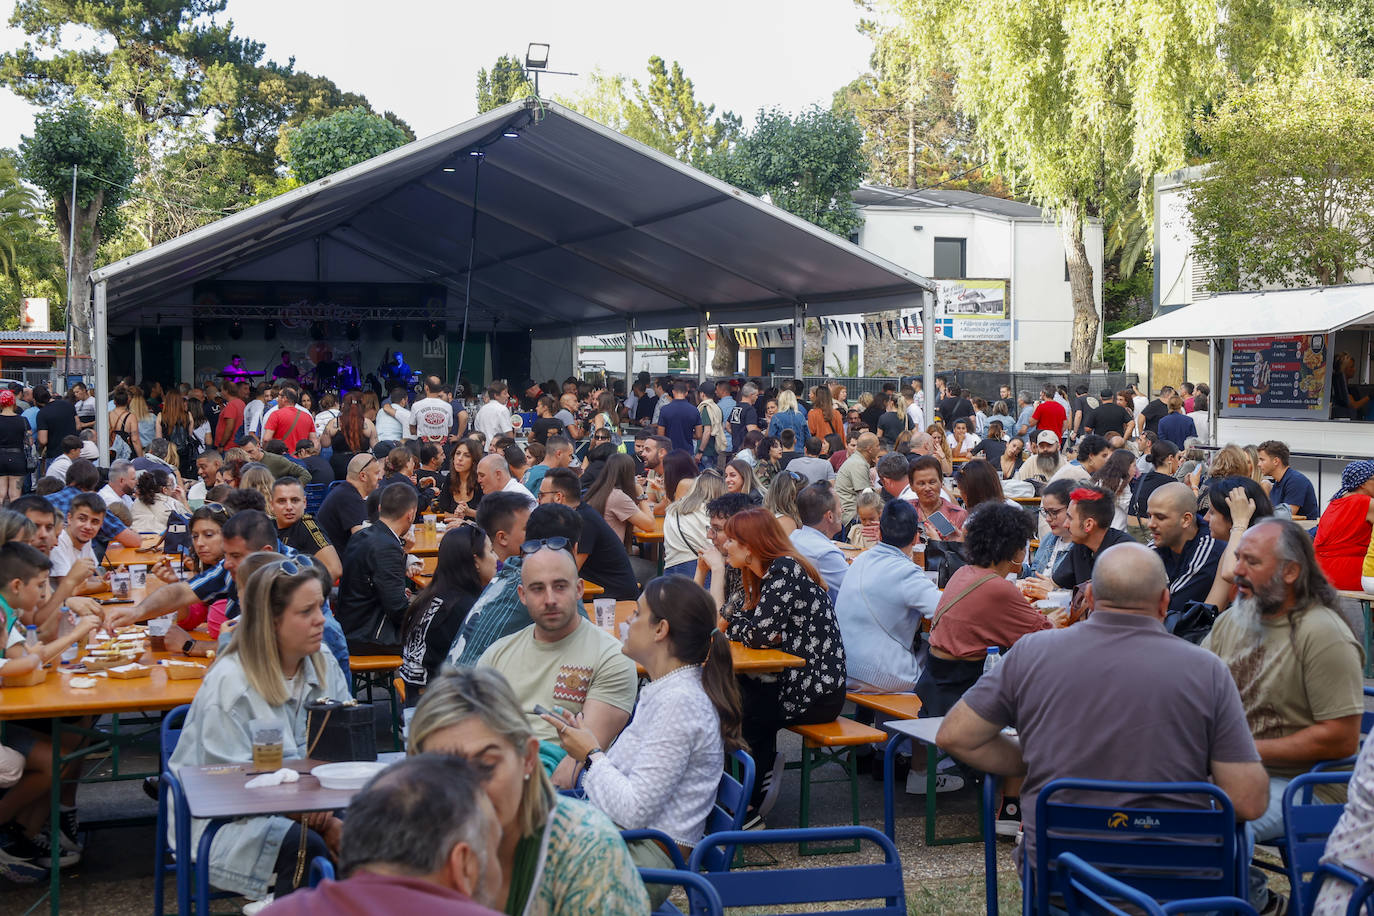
(994, 658)
(31, 639)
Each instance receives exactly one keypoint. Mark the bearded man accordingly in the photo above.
(1296, 664)
(1045, 461)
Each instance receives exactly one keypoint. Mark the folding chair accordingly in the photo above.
(320, 868)
(771, 889)
(1306, 826)
(1165, 853)
(702, 899)
(1088, 891)
(171, 801)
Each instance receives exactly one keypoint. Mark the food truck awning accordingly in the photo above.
(1274, 313)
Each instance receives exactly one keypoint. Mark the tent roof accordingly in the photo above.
(578, 229)
(1275, 313)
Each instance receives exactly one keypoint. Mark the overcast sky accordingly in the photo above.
(420, 57)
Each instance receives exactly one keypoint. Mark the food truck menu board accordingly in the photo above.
(1277, 376)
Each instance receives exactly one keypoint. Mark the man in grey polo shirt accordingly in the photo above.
(1090, 702)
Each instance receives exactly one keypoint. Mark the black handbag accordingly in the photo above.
(952, 559)
(1194, 622)
(340, 731)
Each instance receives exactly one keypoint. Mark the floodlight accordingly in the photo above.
(536, 56)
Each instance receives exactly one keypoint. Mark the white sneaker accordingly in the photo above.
(254, 907)
(944, 782)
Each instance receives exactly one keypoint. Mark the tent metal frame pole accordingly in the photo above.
(472, 250)
(1213, 397)
(928, 350)
(629, 352)
(701, 350)
(798, 338)
(101, 365)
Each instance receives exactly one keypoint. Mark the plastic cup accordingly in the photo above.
(266, 736)
(431, 525)
(605, 613)
(119, 583)
(138, 576)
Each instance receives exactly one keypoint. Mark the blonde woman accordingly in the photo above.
(256, 477)
(788, 417)
(557, 855)
(686, 524)
(941, 448)
(781, 500)
(273, 668)
(149, 424)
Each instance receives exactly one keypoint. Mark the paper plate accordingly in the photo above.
(348, 775)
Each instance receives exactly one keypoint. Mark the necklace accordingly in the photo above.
(667, 674)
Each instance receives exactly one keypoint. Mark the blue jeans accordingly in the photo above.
(688, 569)
(1268, 826)
(334, 641)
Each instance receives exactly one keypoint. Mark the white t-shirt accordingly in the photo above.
(916, 415)
(324, 416)
(65, 554)
(253, 416)
(85, 410)
(433, 417)
(108, 494)
(393, 428)
(59, 467)
(515, 486)
(494, 420)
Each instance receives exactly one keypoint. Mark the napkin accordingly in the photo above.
(285, 774)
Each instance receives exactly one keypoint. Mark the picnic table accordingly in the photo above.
(55, 698)
(753, 661)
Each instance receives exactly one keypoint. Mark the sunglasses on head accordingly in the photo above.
(558, 543)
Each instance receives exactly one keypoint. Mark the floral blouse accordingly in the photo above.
(794, 615)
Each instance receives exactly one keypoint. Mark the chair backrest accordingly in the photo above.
(732, 802)
(314, 496)
(1306, 825)
(774, 888)
(320, 868)
(702, 899)
(1088, 890)
(172, 723)
(1165, 853)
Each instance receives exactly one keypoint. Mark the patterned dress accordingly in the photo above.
(584, 867)
(795, 615)
(1353, 836)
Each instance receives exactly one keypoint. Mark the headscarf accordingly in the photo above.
(1355, 475)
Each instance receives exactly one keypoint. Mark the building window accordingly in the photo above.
(950, 259)
(853, 359)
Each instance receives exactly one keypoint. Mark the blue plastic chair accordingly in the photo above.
(320, 868)
(702, 899)
(774, 888)
(1088, 890)
(314, 496)
(1306, 825)
(170, 731)
(1165, 853)
(732, 801)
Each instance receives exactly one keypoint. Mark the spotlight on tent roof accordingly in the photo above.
(537, 56)
(512, 134)
(449, 168)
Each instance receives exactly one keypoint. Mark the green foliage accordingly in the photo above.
(841, 369)
(100, 150)
(323, 147)
(1289, 196)
(664, 113)
(807, 165)
(19, 207)
(505, 83)
(33, 263)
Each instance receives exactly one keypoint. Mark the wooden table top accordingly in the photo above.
(374, 662)
(758, 661)
(426, 544)
(56, 697)
(650, 537)
(218, 791)
(119, 555)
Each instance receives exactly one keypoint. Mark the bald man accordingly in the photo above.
(563, 661)
(493, 475)
(856, 475)
(1190, 555)
(1080, 699)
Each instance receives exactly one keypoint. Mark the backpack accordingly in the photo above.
(188, 447)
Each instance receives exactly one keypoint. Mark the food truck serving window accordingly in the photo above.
(1283, 377)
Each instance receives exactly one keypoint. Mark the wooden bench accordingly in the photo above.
(892, 705)
(371, 671)
(832, 742)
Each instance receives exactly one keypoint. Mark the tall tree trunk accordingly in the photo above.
(726, 359)
(87, 238)
(1085, 317)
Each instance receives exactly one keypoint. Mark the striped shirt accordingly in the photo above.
(1192, 571)
(497, 612)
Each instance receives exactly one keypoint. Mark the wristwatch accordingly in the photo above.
(587, 761)
(186, 649)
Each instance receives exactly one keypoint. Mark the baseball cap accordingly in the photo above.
(1047, 435)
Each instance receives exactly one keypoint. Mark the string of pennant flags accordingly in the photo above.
(890, 327)
(776, 337)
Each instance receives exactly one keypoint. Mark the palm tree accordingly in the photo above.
(19, 209)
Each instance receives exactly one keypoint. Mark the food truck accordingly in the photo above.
(1284, 364)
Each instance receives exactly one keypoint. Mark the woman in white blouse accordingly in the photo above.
(663, 770)
(961, 441)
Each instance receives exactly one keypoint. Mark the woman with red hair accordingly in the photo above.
(783, 605)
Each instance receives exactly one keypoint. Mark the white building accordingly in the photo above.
(948, 235)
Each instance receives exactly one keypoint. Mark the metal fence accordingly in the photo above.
(981, 384)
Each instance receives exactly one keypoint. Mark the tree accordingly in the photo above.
(1077, 102)
(505, 83)
(323, 147)
(664, 113)
(808, 165)
(1288, 198)
(19, 207)
(98, 148)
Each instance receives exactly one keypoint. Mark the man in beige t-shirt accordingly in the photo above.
(563, 660)
(1295, 662)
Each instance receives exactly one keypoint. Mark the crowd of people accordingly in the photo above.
(889, 542)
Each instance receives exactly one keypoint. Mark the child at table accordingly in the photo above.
(26, 757)
(864, 532)
(84, 518)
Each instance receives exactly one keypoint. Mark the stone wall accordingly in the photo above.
(885, 356)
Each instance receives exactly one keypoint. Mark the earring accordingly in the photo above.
(527, 777)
